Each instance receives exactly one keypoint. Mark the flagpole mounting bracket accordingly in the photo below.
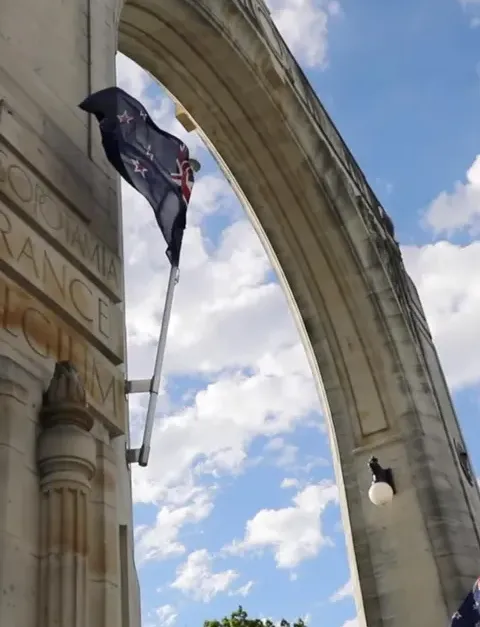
(133, 455)
(138, 455)
(138, 386)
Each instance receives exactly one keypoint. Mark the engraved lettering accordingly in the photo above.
(103, 317)
(106, 391)
(60, 283)
(96, 258)
(38, 333)
(76, 240)
(56, 219)
(50, 211)
(6, 312)
(31, 329)
(75, 288)
(20, 183)
(112, 271)
(49, 271)
(27, 252)
(5, 229)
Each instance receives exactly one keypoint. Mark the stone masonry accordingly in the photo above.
(66, 555)
(66, 542)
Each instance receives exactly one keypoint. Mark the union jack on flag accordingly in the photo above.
(156, 163)
(183, 176)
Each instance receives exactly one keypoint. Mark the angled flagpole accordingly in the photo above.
(154, 163)
(144, 452)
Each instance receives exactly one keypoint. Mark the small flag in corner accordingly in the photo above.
(156, 163)
(468, 614)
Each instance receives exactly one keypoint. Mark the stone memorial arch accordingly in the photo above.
(66, 554)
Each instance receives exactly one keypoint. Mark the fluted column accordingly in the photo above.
(66, 459)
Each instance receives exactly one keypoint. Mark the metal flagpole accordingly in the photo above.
(141, 455)
(157, 370)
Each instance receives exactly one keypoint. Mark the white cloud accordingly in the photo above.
(304, 26)
(459, 209)
(353, 622)
(293, 533)
(221, 329)
(131, 77)
(161, 541)
(289, 483)
(343, 593)
(231, 326)
(224, 419)
(243, 591)
(446, 276)
(167, 615)
(196, 578)
(285, 454)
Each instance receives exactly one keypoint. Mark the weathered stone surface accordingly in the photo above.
(26, 255)
(49, 214)
(67, 464)
(327, 235)
(61, 292)
(34, 330)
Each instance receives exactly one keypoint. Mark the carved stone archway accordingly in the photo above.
(358, 312)
(333, 247)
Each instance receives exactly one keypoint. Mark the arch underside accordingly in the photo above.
(330, 244)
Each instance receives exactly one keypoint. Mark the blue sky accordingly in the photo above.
(238, 504)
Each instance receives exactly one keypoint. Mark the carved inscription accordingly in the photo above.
(67, 289)
(42, 206)
(35, 331)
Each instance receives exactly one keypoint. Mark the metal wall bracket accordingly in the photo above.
(138, 455)
(133, 455)
(140, 386)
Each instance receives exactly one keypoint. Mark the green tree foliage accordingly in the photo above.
(240, 618)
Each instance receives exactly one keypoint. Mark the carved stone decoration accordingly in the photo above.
(465, 463)
(65, 399)
(67, 462)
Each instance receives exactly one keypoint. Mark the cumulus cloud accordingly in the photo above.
(196, 577)
(304, 26)
(446, 276)
(460, 208)
(289, 482)
(242, 591)
(161, 540)
(343, 593)
(230, 330)
(293, 533)
(166, 616)
(232, 335)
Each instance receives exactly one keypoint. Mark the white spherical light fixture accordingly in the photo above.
(380, 493)
(382, 490)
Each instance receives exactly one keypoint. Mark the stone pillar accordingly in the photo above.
(66, 460)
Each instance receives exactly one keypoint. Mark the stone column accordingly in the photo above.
(66, 459)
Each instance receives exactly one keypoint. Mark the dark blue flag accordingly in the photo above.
(156, 163)
(468, 614)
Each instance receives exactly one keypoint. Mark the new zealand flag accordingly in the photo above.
(468, 614)
(154, 162)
